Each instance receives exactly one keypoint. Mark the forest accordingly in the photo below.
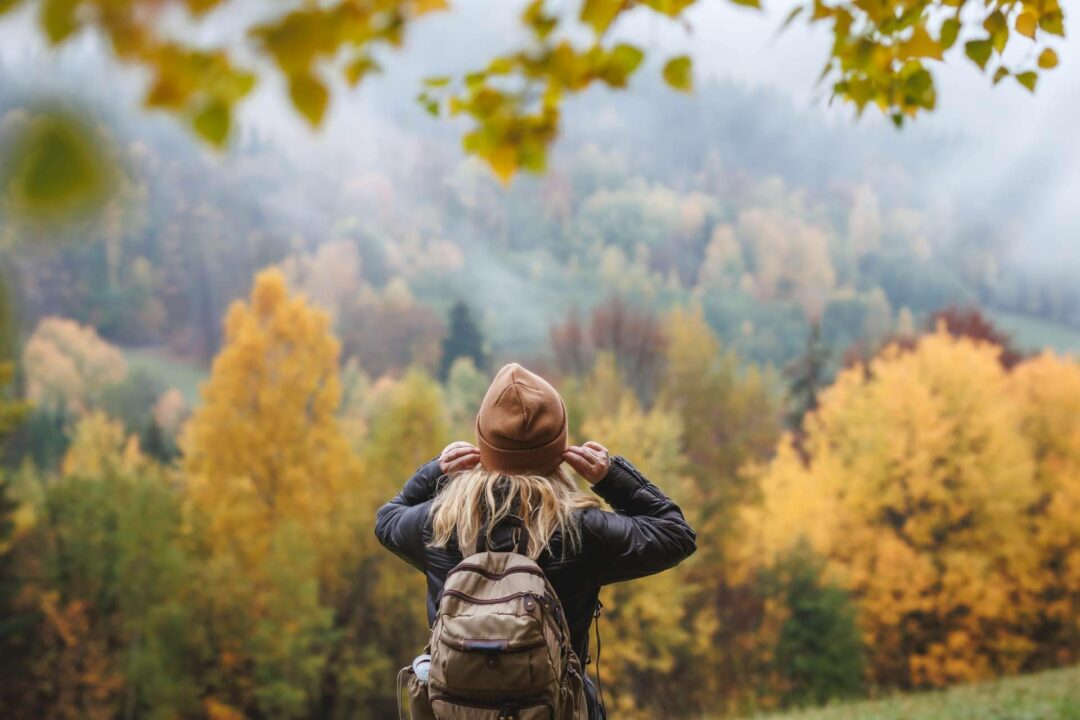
(842, 377)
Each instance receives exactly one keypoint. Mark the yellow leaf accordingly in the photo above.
(678, 73)
(310, 97)
(423, 7)
(503, 162)
(1048, 59)
(213, 122)
(1026, 24)
(600, 13)
(920, 45)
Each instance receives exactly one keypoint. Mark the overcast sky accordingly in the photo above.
(1019, 143)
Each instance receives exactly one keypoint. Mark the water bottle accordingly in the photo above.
(421, 665)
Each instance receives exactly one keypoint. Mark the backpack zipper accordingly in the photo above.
(480, 570)
(516, 649)
(479, 601)
(513, 707)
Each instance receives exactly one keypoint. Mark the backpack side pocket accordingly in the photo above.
(417, 691)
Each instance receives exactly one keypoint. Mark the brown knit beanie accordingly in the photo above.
(521, 426)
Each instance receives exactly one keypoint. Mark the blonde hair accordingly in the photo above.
(476, 497)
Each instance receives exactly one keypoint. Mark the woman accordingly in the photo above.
(511, 492)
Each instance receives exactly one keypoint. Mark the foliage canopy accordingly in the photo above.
(881, 55)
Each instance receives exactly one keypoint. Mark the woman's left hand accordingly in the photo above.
(591, 460)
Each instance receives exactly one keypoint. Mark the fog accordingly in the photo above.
(1019, 151)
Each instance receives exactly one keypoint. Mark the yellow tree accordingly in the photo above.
(916, 490)
(649, 643)
(270, 468)
(730, 421)
(409, 424)
(266, 444)
(1048, 388)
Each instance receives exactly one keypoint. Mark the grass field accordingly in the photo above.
(1034, 334)
(171, 373)
(1052, 695)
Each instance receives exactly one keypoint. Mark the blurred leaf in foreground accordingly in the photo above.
(53, 167)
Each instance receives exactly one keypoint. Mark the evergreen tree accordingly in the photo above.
(464, 339)
(806, 376)
(819, 654)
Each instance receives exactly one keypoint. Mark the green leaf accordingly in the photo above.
(679, 73)
(213, 122)
(58, 19)
(1028, 79)
(998, 28)
(748, 3)
(6, 5)
(950, 30)
(1048, 59)
(310, 97)
(795, 12)
(1000, 74)
(600, 13)
(430, 104)
(979, 51)
(1053, 23)
(55, 169)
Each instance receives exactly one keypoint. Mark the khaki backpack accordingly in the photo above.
(500, 648)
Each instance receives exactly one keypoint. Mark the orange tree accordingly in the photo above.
(937, 484)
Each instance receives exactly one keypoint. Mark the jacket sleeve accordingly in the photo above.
(399, 524)
(646, 534)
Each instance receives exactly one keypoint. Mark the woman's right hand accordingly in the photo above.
(458, 455)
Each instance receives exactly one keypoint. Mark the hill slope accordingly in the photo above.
(1052, 695)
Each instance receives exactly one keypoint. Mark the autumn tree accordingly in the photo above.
(106, 587)
(730, 422)
(389, 329)
(970, 322)
(465, 388)
(271, 472)
(649, 641)
(632, 336)
(728, 412)
(68, 366)
(409, 428)
(916, 490)
(1048, 390)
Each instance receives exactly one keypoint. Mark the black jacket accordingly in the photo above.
(647, 533)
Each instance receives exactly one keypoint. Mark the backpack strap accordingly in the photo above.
(522, 545)
(400, 684)
(599, 685)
